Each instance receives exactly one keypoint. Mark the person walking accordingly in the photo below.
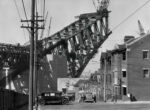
(94, 97)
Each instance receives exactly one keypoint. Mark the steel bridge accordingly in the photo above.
(78, 42)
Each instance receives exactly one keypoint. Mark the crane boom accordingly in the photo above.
(104, 4)
(141, 29)
(101, 5)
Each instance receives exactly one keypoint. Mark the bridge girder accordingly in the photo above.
(79, 40)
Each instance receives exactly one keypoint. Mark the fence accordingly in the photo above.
(10, 100)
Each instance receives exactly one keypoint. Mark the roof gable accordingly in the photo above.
(138, 39)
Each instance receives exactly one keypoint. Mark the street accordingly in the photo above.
(98, 106)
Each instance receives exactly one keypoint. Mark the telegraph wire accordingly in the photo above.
(24, 9)
(19, 16)
(42, 33)
(44, 9)
(131, 15)
(17, 9)
(49, 28)
(94, 5)
(25, 12)
(41, 6)
(36, 6)
(44, 17)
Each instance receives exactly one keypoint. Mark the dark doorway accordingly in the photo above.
(124, 90)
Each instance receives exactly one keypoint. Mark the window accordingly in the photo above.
(146, 73)
(124, 75)
(145, 54)
(124, 56)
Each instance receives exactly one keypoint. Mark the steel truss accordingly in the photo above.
(79, 41)
(14, 57)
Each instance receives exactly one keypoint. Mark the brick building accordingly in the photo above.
(129, 68)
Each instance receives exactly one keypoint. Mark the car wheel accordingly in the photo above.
(65, 101)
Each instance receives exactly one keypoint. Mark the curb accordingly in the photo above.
(125, 102)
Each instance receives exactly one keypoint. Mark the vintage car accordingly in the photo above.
(52, 98)
(89, 97)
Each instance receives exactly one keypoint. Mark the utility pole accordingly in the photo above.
(33, 55)
(105, 69)
(35, 74)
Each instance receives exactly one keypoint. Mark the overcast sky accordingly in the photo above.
(63, 13)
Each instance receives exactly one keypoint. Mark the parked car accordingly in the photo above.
(53, 98)
(89, 97)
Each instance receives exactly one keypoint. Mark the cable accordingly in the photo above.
(44, 25)
(130, 15)
(94, 4)
(25, 11)
(41, 6)
(25, 16)
(44, 9)
(17, 9)
(36, 6)
(49, 28)
(44, 17)
(19, 15)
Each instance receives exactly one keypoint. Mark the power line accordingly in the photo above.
(41, 6)
(131, 15)
(94, 4)
(44, 9)
(36, 6)
(43, 17)
(25, 11)
(44, 25)
(19, 16)
(17, 9)
(49, 28)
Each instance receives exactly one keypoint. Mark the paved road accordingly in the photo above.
(98, 106)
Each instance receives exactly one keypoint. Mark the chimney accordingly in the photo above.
(127, 38)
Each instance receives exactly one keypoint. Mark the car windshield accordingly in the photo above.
(52, 94)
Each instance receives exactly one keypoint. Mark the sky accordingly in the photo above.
(63, 13)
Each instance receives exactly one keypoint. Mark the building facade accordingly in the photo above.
(130, 68)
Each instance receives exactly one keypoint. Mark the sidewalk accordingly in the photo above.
(118, 102)
(125, 102)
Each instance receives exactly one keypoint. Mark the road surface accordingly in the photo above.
(98, 106)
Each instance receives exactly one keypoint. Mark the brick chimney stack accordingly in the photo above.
(127, 38)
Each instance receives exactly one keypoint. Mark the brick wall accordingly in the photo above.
(137, 84)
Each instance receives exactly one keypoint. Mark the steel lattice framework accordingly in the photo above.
(79, 41)
(14, 57)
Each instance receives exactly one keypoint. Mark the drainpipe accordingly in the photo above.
(105, 68)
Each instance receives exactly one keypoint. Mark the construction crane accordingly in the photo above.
(102, 5)
(141, 29)
(49, 27)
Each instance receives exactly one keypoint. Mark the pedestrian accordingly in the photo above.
(132, 98)
(112, 98)
(115, 98)
(84, 97)
(94, 98)
(79, 98)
